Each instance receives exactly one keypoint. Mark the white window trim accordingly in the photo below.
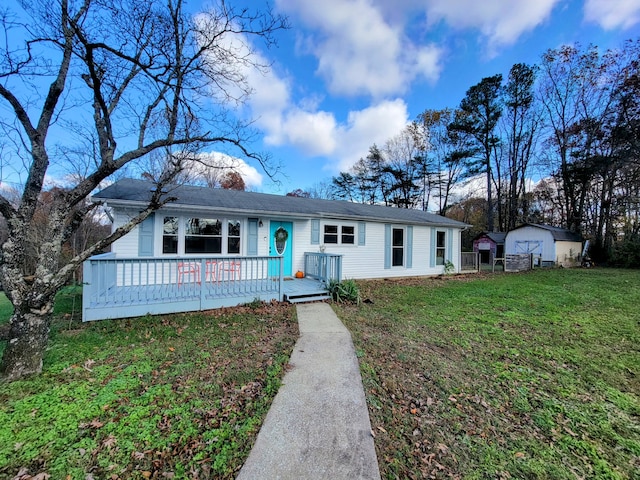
(340, 226)
(182, 230)
(443, 248)
(404, 246)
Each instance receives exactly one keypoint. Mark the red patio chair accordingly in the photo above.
(188, 269)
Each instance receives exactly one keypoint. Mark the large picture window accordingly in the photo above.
(170, 235)
(440, 248)
(198, 236)
(203, 235)
(397, 247)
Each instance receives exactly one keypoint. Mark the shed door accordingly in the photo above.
(529, 246)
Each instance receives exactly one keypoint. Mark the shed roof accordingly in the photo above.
(559, 234)
(497, 237)
(137, 192)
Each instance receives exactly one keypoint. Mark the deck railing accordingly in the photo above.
(125, 287)
(469, 261)
(323, 266)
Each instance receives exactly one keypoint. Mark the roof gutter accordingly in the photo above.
(267, 213)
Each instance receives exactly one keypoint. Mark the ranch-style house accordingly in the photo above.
(209, 248)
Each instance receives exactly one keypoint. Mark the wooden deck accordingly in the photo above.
(139, 300)
(125, 287)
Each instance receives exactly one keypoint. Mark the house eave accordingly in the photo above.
(254, 212)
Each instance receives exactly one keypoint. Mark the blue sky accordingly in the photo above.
(351, 73)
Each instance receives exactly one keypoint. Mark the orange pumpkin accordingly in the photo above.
(299, 274)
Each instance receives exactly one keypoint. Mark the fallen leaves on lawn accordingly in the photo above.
(23, 474)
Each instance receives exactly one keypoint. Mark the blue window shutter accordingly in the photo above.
(450, 244)
(145, 237)
(362, 233)
(409, 246)
(252, 237)
(387, 246)
(432, 255)
(315, 232)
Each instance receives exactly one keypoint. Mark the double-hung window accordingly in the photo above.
(330, 234)
(344, 234)
(440, 248)
(170, 235)
(348, 234)
(397, 247)
(233, 236)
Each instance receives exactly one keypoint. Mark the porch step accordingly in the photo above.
(307, 297)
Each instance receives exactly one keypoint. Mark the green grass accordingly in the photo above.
(174, 396)
(528, 376)
(519, 376)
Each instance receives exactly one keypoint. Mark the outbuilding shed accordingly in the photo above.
(489, 245)
(549, 245)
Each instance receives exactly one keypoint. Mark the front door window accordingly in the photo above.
(281, 237)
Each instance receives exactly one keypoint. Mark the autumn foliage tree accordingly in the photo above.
(232, 181)
(93, 87)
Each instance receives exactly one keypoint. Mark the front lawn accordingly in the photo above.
(176, 396)
(517, 376)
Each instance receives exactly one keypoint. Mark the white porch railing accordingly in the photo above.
(128, 287)
(323, 266)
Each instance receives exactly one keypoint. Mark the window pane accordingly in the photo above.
(203, 244)
(398, 237)
(234, 245)
(204, 226)
(440, 248)
(233, 234)
(397, 252)
(170, 244)
(330, 234)
(170, 226)
(234, 228)
(348, 235)
(397, 257)
(170, 235)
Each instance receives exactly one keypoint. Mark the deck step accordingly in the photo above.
(308, 297)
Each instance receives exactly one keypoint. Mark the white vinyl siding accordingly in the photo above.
(358, 261)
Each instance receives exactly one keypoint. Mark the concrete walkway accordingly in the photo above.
(318, 425)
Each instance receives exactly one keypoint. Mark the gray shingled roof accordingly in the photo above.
(558, 233)
(497, 237)
(132, 192)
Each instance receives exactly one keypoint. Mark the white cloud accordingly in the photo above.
(359, 52)
(611, 14)
(311, 132)
(320, 134)
(219, 163)
(502, 22)
(375, 124)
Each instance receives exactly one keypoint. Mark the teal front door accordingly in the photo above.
(280, 244)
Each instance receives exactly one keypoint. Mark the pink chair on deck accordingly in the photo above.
(211, 272)
(224, 270)
(189, 269)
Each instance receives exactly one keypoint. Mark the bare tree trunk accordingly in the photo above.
(28, 335)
